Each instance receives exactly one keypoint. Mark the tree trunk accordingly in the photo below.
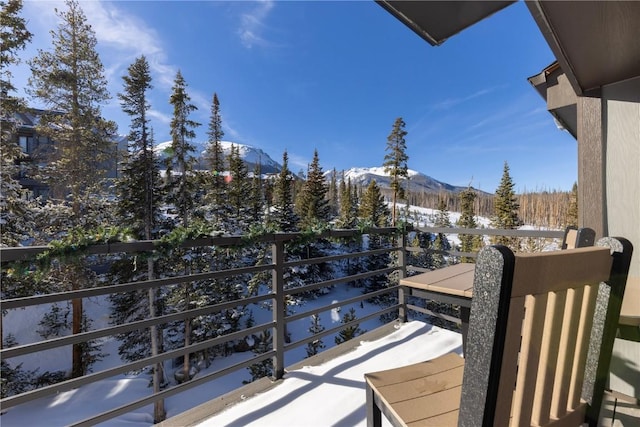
(77, 369)
(159, 413)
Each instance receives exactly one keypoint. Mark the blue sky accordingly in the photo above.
(334, 76)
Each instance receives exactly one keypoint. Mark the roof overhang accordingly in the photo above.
(596, 43)
(436, 21)
(554, 87)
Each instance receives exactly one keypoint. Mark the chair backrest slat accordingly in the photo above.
(567, 352)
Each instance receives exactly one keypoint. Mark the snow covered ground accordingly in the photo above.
(333, 394)
(75, 405)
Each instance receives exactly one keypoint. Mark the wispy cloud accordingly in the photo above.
(252, 24)
(129, 37)
(452, 102)
(298, 163)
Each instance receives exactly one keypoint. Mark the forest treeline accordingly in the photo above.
(546, 209)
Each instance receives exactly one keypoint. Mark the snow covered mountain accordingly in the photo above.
(418, 181)
(251, 155)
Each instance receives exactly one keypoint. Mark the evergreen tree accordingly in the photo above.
(70, 81)
(333, 196)
(468, 242)
(348, 217)
(395, 162)
(138, 189)
(264, 368)
(313, 206)
(421, 257)
(349, 332)
(316, 327)
(256, 197)
(138, 202)
(374, 212)
(284, 217)
(506, 210)
(181, 183)
(215, 157)
(572, 214)
(441, 243)
(15, 223)
(15, 380)
(238, 191)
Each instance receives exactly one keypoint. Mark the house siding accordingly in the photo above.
(621, 129)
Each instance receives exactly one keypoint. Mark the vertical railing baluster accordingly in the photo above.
(402, 272)
(279, 307)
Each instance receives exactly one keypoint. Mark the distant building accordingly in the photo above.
(38, 149)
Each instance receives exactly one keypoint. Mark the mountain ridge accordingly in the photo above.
(252, 156)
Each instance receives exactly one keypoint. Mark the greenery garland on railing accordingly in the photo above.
(75, 244)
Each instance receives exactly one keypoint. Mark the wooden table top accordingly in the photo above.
(453, 280)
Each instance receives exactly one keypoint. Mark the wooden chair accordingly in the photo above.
(540, 340)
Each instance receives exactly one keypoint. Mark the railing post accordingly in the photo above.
(279, 307)
(402, 272)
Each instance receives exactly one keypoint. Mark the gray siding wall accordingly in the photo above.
(621, 131)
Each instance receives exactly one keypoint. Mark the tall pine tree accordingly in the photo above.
(284, 217)
(138, 203)
(215, 157)
(441, 243)
(374, 213)
(15, 223)
(468, 242)
(395, 162)
(348, 217)
(313, 206)
(15, 212)
(70, 81)
(506, 210)
(139, 186)
(181, 181)
(238, 192)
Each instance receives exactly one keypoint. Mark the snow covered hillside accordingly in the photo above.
(418, 181)
(252, 156)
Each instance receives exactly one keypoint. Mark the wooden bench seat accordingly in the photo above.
(540, 340)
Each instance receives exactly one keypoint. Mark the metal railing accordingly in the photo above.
(276, 296)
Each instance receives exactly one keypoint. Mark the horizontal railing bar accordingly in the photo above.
(25, 252)
(319, 260)
(139, 364)
(21, 302)
(551, 234)
(434, 314)
(298, 316)
(345, 279)
(341, 327)
(23, 349)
